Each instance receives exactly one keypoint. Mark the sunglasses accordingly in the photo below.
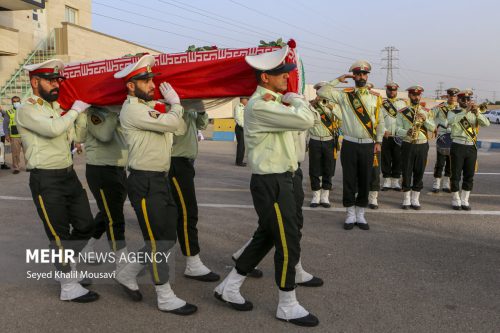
(466, 98)
(392, 89)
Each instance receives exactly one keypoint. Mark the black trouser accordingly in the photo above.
(108, 185)
(375, 176)
(298, 192)
(150, 195)
(414, 160)
(442, 162)
(64, 208)
(275, 203)
(181, 176)
(391, 158)
(240, 144)
(463, 159)
(321, 164)
(357, 165)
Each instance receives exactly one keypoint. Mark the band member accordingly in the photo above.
(181, 174)
(464, 124)
(269, 123)
(238, 115)
(391, 144)
(443, 142)
(59, 197)
(363, 129)
(148, 132)
(414, 124)
(323, 141)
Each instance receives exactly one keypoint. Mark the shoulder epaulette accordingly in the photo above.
(374, 93)
(348, 89)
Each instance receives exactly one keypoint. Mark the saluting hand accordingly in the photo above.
(169, 94)
(344, 78)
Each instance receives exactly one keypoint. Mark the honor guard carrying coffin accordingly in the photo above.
(391, 144)
(443, 141)
(323, 141)
(148, 133)
(363, 129)
(106, 154)
(181, 174)
(414, 124)
(269, 127)
(464, 123)
(59, 197)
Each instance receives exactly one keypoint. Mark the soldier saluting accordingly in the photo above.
(59, 197)
(363, 128)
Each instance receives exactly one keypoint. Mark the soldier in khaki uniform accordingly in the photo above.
(391, 144)
(464, 123)
(12, 135)
(363, 129)
(181, 174)
(149, 133)
(440, 114)
(106, 154)
(414, 124)
(269, 123)
(59, 197)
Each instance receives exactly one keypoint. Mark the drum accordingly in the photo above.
(443, 144)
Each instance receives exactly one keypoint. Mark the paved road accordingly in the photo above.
(435, 270)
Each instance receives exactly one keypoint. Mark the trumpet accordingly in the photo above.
(417, 124)
(481, 108)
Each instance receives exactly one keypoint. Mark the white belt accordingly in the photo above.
(321, 138)
(463, 142)
(356, 140)
(418, 142)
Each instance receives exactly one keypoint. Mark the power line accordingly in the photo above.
(390, 65)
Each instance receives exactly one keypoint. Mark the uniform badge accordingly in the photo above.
(39, 101)
(154, 114)
(95, 119)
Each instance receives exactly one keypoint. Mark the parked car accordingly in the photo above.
(493, 116)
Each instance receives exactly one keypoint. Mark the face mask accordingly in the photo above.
(17, 105)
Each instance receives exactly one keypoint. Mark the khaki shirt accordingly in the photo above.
(45, 133)
(457, 132)
(269, 127)
(103, 136)
(390, 121)
(403, 125)
(238, 114)
(300, 138)
(149, 133)
(320, 130)
(441, 119)
(351, 125)
(187, 145)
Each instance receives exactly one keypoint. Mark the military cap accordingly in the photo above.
(466, 93)
(452, 91)
(50, 69)
(271, 62)
(415, 89)
(361, 66)
(139, 70)
(392, 85)
(320, 84)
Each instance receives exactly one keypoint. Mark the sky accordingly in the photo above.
(454, 42)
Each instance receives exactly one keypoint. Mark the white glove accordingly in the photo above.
(288, 97)
(169, 93)
(80, 106)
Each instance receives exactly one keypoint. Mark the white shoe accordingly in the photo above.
(464, 197)
(395, 184)
(88, 252)
(372, 199)
(360, 218)
(315, 199)
(290, 310)
(456, 203)
(415, 203)
(194, 266)
(351, 215)
(228, 291)
(436, 185)
(446, 184)
(70, 288)
(387, 184)
(126, 272)
(324, 199)
(167, 300)
(406, 200)
(301, 275)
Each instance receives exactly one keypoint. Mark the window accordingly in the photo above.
(71, 15)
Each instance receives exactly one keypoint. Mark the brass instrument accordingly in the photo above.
(481, 108)
(416, 126)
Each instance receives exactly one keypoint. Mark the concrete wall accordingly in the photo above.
(76, 43)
